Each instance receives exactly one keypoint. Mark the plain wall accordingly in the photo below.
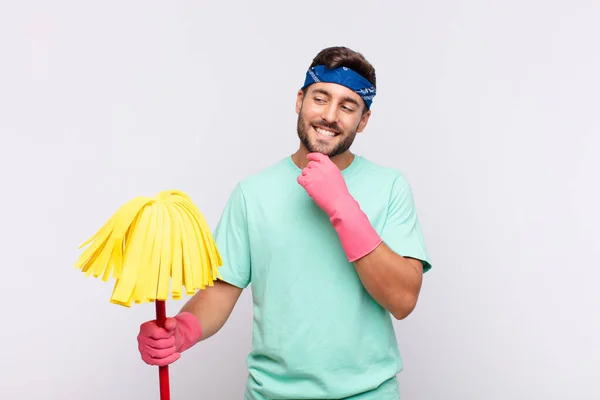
(491, 109)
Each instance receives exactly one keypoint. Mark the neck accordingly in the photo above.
(342, 161)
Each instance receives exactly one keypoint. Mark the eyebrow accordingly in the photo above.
(346, 99)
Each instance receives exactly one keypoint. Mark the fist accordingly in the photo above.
(158, 346)
(324, 183)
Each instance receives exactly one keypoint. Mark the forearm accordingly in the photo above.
(213, 306)
(392, 280)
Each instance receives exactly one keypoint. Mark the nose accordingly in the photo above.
(329, 113)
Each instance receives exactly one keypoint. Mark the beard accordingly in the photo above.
(344, 142)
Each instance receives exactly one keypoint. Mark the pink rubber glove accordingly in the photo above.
(325, 184)
(163, 346)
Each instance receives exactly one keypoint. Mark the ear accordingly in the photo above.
(363, 122)
(299, 99)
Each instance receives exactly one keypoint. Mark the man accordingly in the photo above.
(332, 246)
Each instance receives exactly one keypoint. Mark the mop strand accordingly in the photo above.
(150, 244)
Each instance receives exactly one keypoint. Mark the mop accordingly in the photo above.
(153, 246)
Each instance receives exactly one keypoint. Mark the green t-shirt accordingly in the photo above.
(317, 333)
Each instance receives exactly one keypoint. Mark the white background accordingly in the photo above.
(490, 108)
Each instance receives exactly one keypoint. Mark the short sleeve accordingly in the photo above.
(231, 238)
(401, 231)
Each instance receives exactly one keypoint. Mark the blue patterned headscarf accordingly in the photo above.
(343, 76)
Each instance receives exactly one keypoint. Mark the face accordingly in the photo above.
(329, 117)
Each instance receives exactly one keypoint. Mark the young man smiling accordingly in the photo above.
(331, 245)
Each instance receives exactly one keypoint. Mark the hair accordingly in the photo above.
(340, 56)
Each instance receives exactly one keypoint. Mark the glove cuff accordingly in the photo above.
(189, 331)
(357, 236)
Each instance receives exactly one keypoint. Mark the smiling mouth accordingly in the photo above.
(325, 132)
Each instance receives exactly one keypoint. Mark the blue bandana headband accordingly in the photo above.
(345, 77)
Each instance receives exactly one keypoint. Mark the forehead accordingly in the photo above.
(334, 90)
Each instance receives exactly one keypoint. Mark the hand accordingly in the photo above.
(324, 183)
(163, 346)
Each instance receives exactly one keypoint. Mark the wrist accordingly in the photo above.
(357, 236)
(189, 331)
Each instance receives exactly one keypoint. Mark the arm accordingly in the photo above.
(392, 280)
(201, 317)
(390, 265)
(213, 306)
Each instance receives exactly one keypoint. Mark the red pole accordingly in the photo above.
(163, 372)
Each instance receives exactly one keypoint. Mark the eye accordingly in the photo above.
(319, 99)
(348, 109)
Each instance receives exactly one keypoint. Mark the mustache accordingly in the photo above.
(327, 125)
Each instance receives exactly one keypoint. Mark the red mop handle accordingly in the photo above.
(163, 372)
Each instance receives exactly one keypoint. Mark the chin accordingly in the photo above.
(316, 147)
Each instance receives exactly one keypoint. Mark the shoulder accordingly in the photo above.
(262, 181)
(381, 174)
(392, 184)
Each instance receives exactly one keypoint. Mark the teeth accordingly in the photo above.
(325, 133)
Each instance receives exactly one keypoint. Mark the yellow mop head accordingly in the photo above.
(149, 243)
